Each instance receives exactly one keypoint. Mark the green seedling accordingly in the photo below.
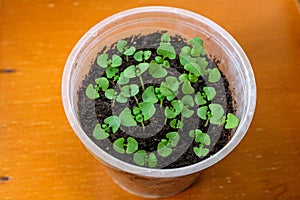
(176, 123)
(136, 71)
(165, 49)
(123, 48)
(177, 95)
(142, 56)
(122, 97)
(164, 147)
(111, 124)
(159, 95)
(187, 102)
(213, 113)
(143, 112)
(92, 92)
(121, 147)
(187, 87)
(111, 65)
(202, 139)
(141, 158)
(198, 49)
(188, 77)
(207, 95)
(169, 88)
(175, 110)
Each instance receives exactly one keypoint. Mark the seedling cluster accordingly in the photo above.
(117, 86)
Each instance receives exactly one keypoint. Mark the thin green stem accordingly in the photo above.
(206, 123)
(143, 125)
(166, 121)
(113, 102)
(136, 100)
(161, 102)
(142, 82)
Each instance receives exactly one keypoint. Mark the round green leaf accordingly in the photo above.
(192, 133)
(163, 150)
(187, 113)
(152, 160)
(199, 100)
(132, 145)
(142, 67)
(232, 121)
(127, 119)
(188, 100)
(122, 79)
(201, 137)
(147, 54)
(149, 95)
(192, 78)
(148, 110)
(186, 50)
(91, 92)
(217, 113)
(139, 157)
(138, 56)
(100, 133)
(103, 83)
(121, 45)
(202, 112)
(159, 59)
(116, 61)
(187, 88)
(173, 138)
(166, 50)
(170, 113)
(111, 71)
(129, 72)
(183, 77)
(165, 37)
(210, 92)
(118, 145)
(172, 83)
(136, 110)
(177, 105)
(130, 51)
(200, 151)
(214, 75)
(102, 60)
(130, 90)
(110, 93)
(157, 71)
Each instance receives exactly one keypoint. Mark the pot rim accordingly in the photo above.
(149, 172)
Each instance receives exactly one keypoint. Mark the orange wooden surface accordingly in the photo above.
(43, 159)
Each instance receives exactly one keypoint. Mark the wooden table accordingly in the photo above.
(40, 156)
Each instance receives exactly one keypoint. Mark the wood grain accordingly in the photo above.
(40, 156)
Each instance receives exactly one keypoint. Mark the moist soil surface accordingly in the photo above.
(95, 111)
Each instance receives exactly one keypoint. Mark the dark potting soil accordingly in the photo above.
(92, 112)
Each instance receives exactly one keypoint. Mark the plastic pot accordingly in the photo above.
(146, 182)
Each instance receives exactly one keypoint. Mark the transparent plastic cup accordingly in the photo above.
(146, 182)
